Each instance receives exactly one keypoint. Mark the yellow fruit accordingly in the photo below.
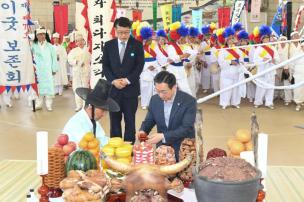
(128, 145)
(249, 146)
(243, 135)
(230, 141)
(123, 152)
(109, 151)
(115, 142)
(93, 144)
(83, 144)
(89, 137)
(237, 147)
(124, 160)
(95, 152)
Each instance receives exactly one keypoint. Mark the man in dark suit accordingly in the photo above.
(122, 62)
(172, 111)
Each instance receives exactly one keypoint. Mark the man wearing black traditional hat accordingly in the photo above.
(97, 102)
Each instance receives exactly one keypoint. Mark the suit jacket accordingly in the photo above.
(130, 68)
(181, 121)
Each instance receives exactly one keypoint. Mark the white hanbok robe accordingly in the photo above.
(284, 55)
(230, 74)
(264, 93)
(61, 78)
(147, 78)
(81, 74)
(177, 68)
(209, 58)
(79, 125)
(298, 74)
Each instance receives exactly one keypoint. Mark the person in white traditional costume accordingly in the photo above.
(298, 74)
(80, 59)
(231, 73)
(178, 52)
(209, 57)
(265, 56)
(97, 103)
(46, 65)
(283, 77)
(247, 55)
(151, 67)
(194, 69)
(6, 98)
(61, 78)
(161, 48)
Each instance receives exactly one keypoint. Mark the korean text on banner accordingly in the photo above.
(166, 12)
(197, 19)
(237, 10)
(99, 20)
(16, 64)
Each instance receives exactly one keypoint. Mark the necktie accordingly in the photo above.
(122, 51)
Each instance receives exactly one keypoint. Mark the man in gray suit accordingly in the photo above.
(172, 111)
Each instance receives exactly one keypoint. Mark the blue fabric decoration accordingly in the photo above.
(237, 27)
(161, 33)
(243, 35)
(146, 33)
(228, 32)
(183, 31)
(193, 31)
(264, 30)
(206, 29)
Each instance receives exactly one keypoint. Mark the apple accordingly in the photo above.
(57, 146)
(73, 144)
(67, 149)
(63, 139)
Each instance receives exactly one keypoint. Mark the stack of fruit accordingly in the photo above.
(143, 153)
(119, 150)
(64, 144)
(240, 142)
(90, 143)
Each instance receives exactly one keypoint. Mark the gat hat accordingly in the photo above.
(99, 96)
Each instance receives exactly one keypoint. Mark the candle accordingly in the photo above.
(262, 153)
(42, 152)
(248, 156)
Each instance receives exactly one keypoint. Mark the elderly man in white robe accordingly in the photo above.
(80, 59)
(97, 103)
(60, 78)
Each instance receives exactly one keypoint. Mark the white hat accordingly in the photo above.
(40, 31)
(78, 36)
(56, 35)
(294, 33)
(283, 38)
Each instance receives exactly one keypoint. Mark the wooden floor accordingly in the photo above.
(19, 124)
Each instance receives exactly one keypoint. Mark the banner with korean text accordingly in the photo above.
(16, 63)
(237, 10)
(166, 12)
(99, 13)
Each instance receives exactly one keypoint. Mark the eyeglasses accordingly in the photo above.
(123, 32)
(163, 92)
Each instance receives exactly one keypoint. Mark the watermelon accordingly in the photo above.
(81, 160)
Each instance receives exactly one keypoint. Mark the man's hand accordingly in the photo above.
(141, 135)
(119, 83)
(155, 138)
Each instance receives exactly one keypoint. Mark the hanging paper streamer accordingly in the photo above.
(137, 15)
(121, 12)
(237, 10)
(223, 17)
(154, 7)
(17, 70)
(277, 21)
(176, 12)
(197, 19)
(166, 12)
(255, 11)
